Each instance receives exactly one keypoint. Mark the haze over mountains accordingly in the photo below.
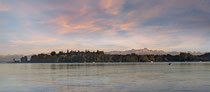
(8, 58)
(146, 51)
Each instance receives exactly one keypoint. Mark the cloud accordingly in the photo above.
(112, 6)
(108, 24)
(66, 24)
(34, 38)
(34, 41)
(4, 22)
(3, 7)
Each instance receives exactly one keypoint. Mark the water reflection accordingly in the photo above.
(157, 77)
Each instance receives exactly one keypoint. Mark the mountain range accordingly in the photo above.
(146, 51)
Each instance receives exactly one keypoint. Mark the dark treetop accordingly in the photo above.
(99, 56)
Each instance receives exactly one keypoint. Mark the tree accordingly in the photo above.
(99, 56)
(159, 58)
(24, 59)
(151, 57)
(132, 58)
(144, 58)
(67, 51)
(60, 53)
(78, 59)
(53, 53)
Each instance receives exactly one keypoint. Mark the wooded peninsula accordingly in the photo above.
(100, 56)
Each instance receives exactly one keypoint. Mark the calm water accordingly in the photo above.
(158, 77)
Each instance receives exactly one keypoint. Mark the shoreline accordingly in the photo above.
(123, 63)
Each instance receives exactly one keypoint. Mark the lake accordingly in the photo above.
(126, 77)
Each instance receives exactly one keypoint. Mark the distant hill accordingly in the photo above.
(9, 58)
(146, 51)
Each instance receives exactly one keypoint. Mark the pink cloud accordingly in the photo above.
(36, 38)
(34, 41)
(112, 6)
(4, 7)
(67, 25)
(104, 19)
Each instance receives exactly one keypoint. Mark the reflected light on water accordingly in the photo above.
(157, 77)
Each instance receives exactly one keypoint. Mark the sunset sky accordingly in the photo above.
(35, 26)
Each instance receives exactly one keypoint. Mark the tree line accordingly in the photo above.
(100, 56)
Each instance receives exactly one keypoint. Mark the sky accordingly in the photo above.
(36, 26)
